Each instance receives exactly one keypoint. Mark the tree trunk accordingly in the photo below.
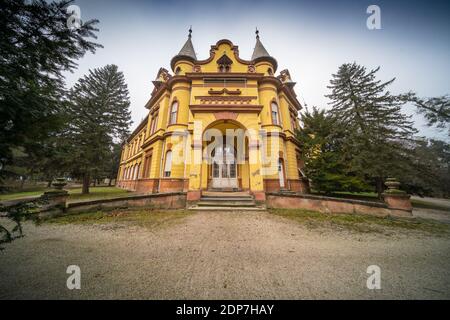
(86, 183)
(49, 183)
(379, 186)
(22, 182)
(109, 182)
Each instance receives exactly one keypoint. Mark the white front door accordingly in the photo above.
(224, 168)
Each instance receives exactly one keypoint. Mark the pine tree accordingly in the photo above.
(99, 105)
(325, 163)
(378, 135)
(36, 48)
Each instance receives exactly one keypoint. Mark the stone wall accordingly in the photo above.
(173, 200)
(332, 205)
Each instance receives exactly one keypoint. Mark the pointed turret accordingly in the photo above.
(260, 53)
(187, 52)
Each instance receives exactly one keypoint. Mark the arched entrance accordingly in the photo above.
(225, 156)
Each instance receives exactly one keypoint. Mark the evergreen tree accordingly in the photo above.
(325, 162)
(99, 105)
(378, 136)
(436, 110)
(36, 47)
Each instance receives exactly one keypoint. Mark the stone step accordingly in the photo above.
(223, 209)
(226, 204)
(226, 194)
(208, 198)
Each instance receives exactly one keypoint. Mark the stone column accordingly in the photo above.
(395, 198)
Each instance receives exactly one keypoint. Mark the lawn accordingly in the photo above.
(21, 195)
(428, 205)
(363, 223)
(74, 194)
(142, 218)
(96, 193)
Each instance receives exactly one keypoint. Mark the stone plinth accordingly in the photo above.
(395, 198)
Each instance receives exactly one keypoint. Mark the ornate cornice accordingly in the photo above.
(245, 108)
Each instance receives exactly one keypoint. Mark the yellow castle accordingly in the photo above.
(223, 123)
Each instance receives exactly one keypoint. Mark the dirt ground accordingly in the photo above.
(220, 255)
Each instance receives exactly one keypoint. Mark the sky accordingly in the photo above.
(310, 38)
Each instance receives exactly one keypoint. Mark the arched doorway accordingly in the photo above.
(225, 156)
(224, 167)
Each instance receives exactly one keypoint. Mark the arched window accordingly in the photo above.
(275, 114)
(270, 72)
(138, 169)
(178, 70)
(168, 164)
(173, 113)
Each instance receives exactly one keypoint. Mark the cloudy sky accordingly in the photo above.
(310, 38)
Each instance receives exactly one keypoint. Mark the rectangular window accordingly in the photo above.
(225, 82)
(215, 170)
(148, 163)
(168, 164)
(275, 117)
(173, 113)
(153, 124)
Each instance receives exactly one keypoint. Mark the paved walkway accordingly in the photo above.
(222, 255)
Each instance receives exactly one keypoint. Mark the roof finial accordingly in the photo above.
(190, 31)
(257, 33)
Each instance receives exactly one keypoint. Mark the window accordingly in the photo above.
(168, 164)
(293, 122)
(178, 70)
(138, 168)
(147, 166)
(270, 72)
(275, 116)
(173, 113)
(153, 124)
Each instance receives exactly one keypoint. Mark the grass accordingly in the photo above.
(96, 193)
(428, 205)
(363, 223)
(21, 195)
(143, 218)
(74, 194)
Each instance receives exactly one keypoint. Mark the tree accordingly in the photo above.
(430, 161)
(436, 110)
(378, 136)
(99, 105)
(36, 47)
(325, 161)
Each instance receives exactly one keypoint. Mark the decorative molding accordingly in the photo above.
(225, 100)
(244, 108)
(225, 115)
(223, 91)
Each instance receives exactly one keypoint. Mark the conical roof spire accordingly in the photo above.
(259, 50)
(260, 53)
(186, 52)
(188, 48)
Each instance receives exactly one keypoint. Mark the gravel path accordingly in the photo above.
(222, 256)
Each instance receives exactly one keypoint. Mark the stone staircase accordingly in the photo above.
(226, 201)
